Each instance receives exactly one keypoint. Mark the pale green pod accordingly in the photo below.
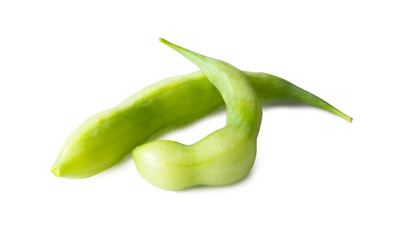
(105, 138)
(223, 157)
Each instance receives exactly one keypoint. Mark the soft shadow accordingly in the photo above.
(122, 163)
(161, 133)
(210, 188)
(124, 160)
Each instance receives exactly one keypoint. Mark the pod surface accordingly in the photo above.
(105, 138)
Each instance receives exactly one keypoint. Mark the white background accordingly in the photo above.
(316, 176)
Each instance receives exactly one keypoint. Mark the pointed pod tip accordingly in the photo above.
(166, 42)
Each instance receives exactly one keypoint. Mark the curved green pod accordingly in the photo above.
(224, 156)
(105, 138)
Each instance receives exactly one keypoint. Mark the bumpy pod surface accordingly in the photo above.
(105, 138)
(224, 156)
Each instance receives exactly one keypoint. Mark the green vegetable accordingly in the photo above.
(224, 156)
(105, 138)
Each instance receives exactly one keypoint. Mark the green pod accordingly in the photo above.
(224, 156)
(105, 138)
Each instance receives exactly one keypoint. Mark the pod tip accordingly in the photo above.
(55, 171)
